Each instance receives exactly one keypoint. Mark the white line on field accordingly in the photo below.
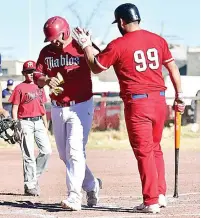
(140, 197)
(182, 205)
(148, 215)
(27, 213)
(30, 213)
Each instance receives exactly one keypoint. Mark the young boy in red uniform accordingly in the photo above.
(28, 106)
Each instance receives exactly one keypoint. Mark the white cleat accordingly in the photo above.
(92, 196)
(71, 203)
(153, 208)
(162, 201)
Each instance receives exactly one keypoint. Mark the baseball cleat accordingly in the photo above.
(31, 192)
(72, 204)
(92, 196)
(153, 208)
(162, 201)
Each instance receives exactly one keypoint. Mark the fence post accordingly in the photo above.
(197, 109)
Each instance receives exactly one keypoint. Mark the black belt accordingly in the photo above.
(64, 104)
(32, 118)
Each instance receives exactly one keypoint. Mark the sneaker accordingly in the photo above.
(153, 208)
(71, 203)
(162, 201)
(31, 192)
(92, 196)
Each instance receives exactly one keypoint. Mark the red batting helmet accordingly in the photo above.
(54, 26)
(29, 65)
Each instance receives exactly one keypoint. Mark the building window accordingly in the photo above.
(4, 71)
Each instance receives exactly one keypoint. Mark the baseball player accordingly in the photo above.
(137, 58)
(72, 108)
(2, 110)
(6, 93)
(28, 106)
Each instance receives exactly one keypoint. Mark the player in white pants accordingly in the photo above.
(72, 108)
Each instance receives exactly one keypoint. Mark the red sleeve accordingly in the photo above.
(107, 57)
(40, 63)
(167, 56)
(39, 68)
(15, 97)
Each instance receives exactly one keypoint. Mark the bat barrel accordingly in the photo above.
(176, 173)
(177, 146)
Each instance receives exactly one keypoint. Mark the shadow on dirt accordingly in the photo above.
(12, 194)
(57, 207)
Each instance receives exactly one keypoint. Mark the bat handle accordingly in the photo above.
(96, 47)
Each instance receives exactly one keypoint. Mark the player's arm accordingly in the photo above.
(90, 56)
(175, 76)
(15, 111)
(15, 100)
(91, 60)
(100, 62)
(169, 63)
(40, 76)
(103, 60)
(44, 118)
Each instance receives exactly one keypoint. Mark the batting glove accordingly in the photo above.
(82, 37)
(56, 91)
(179, 104)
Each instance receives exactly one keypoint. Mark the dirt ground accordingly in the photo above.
(121, 186)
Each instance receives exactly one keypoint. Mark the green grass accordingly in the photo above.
(112, 139)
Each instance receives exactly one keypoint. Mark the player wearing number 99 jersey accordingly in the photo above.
(137, 58)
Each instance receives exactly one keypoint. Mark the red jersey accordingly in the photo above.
(30, 99)
(137, 58)
(71, 63)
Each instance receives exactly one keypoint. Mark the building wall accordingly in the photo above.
(193, 62)
(13, 67)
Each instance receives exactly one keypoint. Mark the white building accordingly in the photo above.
(11, 67)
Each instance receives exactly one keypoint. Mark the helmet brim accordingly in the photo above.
(49, 39)
(115, 21)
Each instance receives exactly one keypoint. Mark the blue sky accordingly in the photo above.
(180, 21)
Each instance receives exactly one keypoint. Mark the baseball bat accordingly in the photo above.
(96, 47)
(177, 132)
(93, 44)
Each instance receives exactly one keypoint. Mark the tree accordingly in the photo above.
(73, 9)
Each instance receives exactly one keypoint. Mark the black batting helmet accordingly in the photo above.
(127, 12)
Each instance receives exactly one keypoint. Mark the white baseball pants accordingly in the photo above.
(71, 126)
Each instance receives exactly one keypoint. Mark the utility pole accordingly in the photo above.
(168, 37)
(46, 10)
(30, 29)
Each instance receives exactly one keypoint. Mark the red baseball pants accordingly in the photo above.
(145, 117)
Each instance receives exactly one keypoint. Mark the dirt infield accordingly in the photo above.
(121, 186)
